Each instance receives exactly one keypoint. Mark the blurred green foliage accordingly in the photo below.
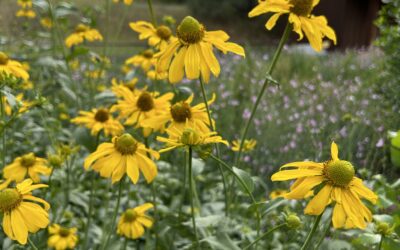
(388, 23)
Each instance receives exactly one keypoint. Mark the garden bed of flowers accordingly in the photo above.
(191, 140)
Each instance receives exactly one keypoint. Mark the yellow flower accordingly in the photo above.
(339, 185)
(248, 145)
(140, 105)
(46, 22)
(123, 155)
(154, 75)
(82, 33)
(28, 13)
(189, 136)
(134, 220)
(145, 60)
(62, 238)
(314, 27)
(26, 85)
(158, 37)
(27, 164)
(180, 114)
(193, 52)
(126, 2)
(95, 74)
(11, 67)
(23, 105)
(99, 119)
(21, 213)
(120, 87)
(74, 64)
(25, 3)
(277, 193)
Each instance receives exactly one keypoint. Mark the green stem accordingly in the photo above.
(277, 54)
(154, 194)
(246, 188)
(32, 244)
(114, 217)
(311, 233)
(216, 147)
(125, 244)
(264, 235)
(191, 186)
(68, 168)
(91, 202)
(153, 17)
(380, 243)
(323, 236)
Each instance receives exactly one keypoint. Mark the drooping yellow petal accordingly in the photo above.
(192, 62)
(294, 174)
(317, 205)
(302, 189)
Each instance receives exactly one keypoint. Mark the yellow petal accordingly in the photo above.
(132, 169)
(334, 151)
(302, 189)
(176, 71)
(272, 21)
(294, 174)
(317, 205)
(338, 216)
(192, 62)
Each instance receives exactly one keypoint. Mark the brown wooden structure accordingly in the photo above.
(353, 20)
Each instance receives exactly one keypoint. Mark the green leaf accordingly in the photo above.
(221, 242)
(246, 178)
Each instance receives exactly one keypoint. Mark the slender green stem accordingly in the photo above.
(154, 194)
(246, 188)
(153, 17)
(91, 202)
(264, 235)
(203, 91)
(114, 217)
(380, 242)
(191, 187)
(32, 244)
(67, 169)
(311, 233)
(322, 237)
(267, 80)
(125, 244)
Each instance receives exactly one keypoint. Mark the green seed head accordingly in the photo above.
(28, 160)
(3, 58)
(293, 221)
(164, 32)
(81, 28)
(145, 102)
(64, 232)
(180, 112)
(339, 172)
(10, 198)
(301, 7)
(125, 144)
(130, 215)
(102, 115)
(190, 30)
(190, 137)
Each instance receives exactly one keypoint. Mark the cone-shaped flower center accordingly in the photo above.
(145, 102)
(3, 58)
(301, 7)
(164, 32)
(190, 137)
(81, 28)
(339, 172)
(10, 198)
(64, 232)
(125, 144)
(28, 160)
(148, 53)
(181, 111)
(102, 115)
(130, 215)
(190, 30)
